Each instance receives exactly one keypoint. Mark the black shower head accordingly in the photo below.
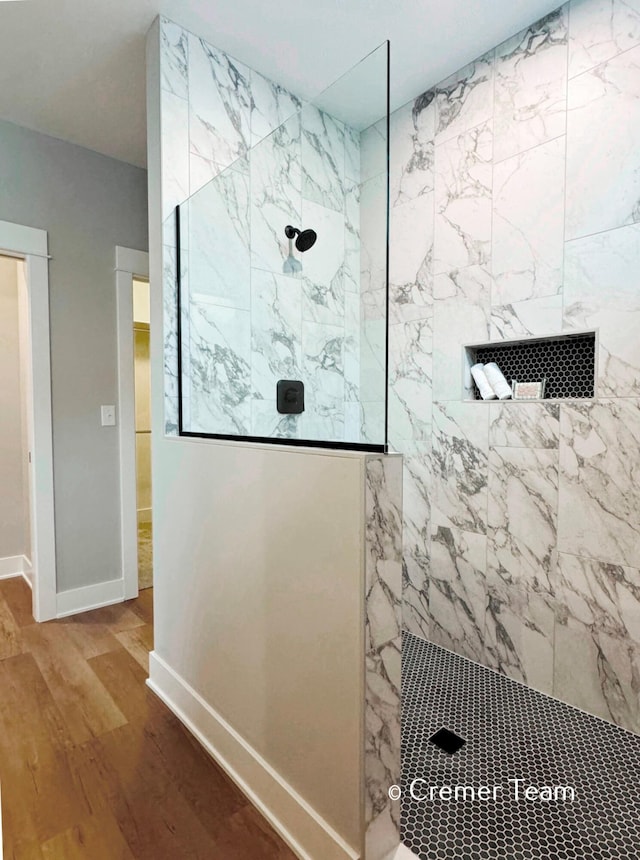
(306, 238)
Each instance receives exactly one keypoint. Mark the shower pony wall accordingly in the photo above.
(514, 193)
(276, 591)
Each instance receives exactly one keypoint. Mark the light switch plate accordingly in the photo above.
(108, 415)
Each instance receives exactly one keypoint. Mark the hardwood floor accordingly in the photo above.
(92, 764)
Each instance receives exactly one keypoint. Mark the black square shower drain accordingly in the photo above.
(447, 741)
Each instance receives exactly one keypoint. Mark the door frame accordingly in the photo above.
(129, 265)
(31, 245)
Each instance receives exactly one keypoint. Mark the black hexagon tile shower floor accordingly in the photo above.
(535, 778)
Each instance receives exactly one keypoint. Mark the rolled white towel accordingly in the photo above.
(497, 381)
(480, 377)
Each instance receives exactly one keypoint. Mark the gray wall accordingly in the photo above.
(88, 204)
(13, 534)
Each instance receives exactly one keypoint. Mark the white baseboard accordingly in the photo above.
(306, 833)
(14, 565)
(89, 597)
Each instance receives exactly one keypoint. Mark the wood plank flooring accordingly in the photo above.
(92, 764)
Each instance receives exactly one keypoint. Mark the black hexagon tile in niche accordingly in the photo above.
(447, 741)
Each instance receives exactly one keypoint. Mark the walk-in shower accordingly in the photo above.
(283, 277)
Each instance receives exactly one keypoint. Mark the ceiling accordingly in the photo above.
(74, 69)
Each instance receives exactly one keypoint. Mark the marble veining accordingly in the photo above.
(601, 29)
(267, 421)
(411, 260)
(323, 158)
(602, 291)
(456, 323)
(522, 516)
(519, 635)
(531, 86)
(220, 369)
(597, 661)
(600, 480)
(174, 59)
(409, 370)
(271, 105)
(463, 200)
(603, 177)
(276, 348)
(219, 109)
(465, 99)
(175, 151)
(276, 194)
(416, 506)
(531, 317)
(383, 596)
(323, 266)
(460, 458)
(412, 129)
(218, 234)
(528, 219)
(458, 591)
(524, 425)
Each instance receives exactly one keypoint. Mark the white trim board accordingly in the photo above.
(32, 245)
(129, 263)
(89, 597)
(14, 565)
(306, 832)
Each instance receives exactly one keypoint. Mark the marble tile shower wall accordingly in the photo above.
(275, 162)
(515, 193)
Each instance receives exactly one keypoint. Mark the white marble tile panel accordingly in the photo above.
(411, 260)
(519, 631)
(220, 369)
(522, 319)
(599, 499)
(531, 86)
(524, 425)
(410, 348)
(528, 224)
(603, 137)
(601, 29)
(271, 105)
(174, 59)
(458, 591)
(174, 151)
(463, 182)
(276, 201)
(465, 99)
(460, 465)
(523, 505)
(412, 129)
(276, 331)
(219, 109)
(602, 291)
(323, 158)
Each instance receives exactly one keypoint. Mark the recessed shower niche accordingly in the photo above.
(283, 276)
(566, 364)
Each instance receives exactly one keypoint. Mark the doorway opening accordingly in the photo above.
(142, 395)
(15, 422)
